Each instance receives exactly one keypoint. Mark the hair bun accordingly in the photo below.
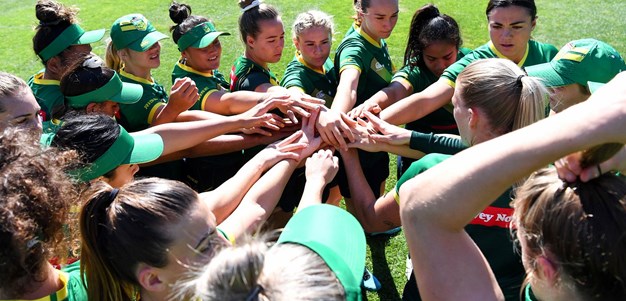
(247, 5)
(179, 12)
(430, 11)
(51, 13)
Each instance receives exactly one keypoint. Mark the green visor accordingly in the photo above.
(114, 90)
(127, 149)
(134, 31)
(337, 237)
(73, 35)
(202, 35)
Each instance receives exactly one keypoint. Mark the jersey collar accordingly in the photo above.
(38, 79)
(362, 33)
(303, 62)
(137, 78)
(194, 71)
(500, 55)
(62, 293)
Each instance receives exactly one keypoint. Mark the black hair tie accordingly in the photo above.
(519, 80)
(254, 293)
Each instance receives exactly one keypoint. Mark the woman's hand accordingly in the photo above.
(183, 94)
(333, 126)
(389, 133)
(569, 168)
(367, 106)
(322, 166)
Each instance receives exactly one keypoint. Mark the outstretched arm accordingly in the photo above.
(260, 201)
(182, 135)
(384, 98)
(225, 198)
(442, 253)
(375, 215)
(321, 168)
(418, 105)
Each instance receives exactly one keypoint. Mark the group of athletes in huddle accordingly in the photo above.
(222, 158)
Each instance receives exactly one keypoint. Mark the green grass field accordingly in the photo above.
(559, 21)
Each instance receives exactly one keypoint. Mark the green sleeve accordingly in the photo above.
(452, 72)
(419, 167)
(139, 116)
(76, 289)
(353, 54)
(295, 77)
(434, 143)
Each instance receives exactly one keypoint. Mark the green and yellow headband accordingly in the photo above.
(73, 35)
(202, 35)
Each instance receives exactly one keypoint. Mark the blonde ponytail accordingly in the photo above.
(112, 59)
(501, 90)
(533, 102)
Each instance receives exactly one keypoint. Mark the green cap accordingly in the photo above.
(337, 237)
(114, 90)
(578, 62)
(73, 35)
(127, 149)
(202, 35)
(134, 31)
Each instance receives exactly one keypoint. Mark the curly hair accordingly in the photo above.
(35, 200)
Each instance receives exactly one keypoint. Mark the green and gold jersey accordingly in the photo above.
(419, 78)
(489, 230)
(246, 75)
(48, 95)
(317, 83)
(207, 83)
(536, 53)
(358, 50)
(138, 116)
(72, 289)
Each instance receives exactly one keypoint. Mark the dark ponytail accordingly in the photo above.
(91, 135)
(429, 26)
(249, 19)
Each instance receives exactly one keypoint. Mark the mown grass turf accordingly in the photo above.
(559, 21)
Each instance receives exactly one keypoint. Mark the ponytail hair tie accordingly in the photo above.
(519, 79)
(112, 195)
(254, 293)
(252, 5)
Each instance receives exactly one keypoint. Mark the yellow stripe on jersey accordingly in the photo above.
(205, 98)
(38, 79)
(153, 112)
(137, 78)
(502, 56)
(350, 67)
(449, 82)
(403, 81)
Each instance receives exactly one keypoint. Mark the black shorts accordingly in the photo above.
(292, 194)
(208, 173)
(375, 168)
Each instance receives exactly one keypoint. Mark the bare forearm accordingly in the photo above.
(418, 105)
(312, 194)
(260, 200)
